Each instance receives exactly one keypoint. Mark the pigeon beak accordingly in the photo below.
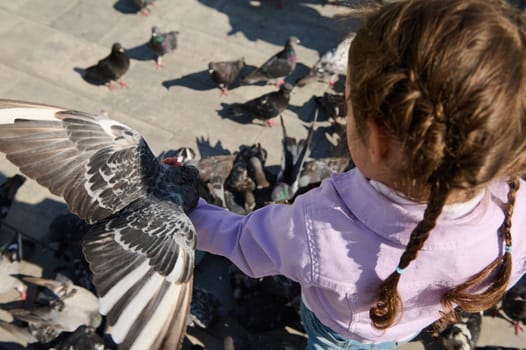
(210, 71)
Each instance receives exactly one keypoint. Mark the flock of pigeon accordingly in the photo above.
(128, 244)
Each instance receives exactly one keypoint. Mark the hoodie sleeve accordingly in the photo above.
(268, 241)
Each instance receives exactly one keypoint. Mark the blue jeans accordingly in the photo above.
(321, 337)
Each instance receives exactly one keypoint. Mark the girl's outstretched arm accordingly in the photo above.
(268, 241)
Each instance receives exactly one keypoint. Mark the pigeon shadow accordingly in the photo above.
(141, 53)
(196, 81)
(321, 147)
(299, 72)
(206, 149)
(11, 346)
(226, 113)
(125, 7)
(82, 73)
(307, 111)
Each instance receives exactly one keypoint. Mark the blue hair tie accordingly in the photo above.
(399, 270)
(507, 248)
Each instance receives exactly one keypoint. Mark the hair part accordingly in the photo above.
(447, 80)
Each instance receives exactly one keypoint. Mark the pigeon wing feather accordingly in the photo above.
(142, 260)
(93, 162)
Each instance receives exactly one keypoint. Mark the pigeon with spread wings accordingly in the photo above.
(140, 246)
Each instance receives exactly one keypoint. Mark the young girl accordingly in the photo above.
(434, 214)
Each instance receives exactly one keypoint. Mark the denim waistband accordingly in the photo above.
(323, 337)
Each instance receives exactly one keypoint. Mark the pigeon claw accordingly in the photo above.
(517, 327)
(279, 83)
(110, 85)
(158, 62)
(271, 122)
(123, 84)
(224, 92)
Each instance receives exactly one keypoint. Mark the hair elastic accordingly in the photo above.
(507, 248)
(399, 270)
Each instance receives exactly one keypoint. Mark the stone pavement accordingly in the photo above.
(46, 42)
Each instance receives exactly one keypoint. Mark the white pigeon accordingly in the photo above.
(330, 65)
(141, 244)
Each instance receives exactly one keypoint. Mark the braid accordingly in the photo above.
(502, 265)
(389, 302)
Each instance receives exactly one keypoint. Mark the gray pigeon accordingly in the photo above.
(145, 6)
(224, 73)
(264, 107)
(162, 43)
(277, 67)
(109, 69)
(140, 246)
(330, 65)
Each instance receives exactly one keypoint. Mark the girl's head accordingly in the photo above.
(444, 82)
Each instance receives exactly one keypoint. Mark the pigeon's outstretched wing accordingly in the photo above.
(91, 161)
(293, 157)
(141, 244)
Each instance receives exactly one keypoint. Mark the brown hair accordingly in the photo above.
(447, 80)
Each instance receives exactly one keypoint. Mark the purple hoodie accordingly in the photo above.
(344, 237)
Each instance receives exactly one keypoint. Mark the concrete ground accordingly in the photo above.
(46, 43)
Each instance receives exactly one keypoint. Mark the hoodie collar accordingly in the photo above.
(393, 217)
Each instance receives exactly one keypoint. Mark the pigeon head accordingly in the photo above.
(241, 62)
(293, 40)
(180, 183)
(286, 88)
(117, 47)
(156, 31)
